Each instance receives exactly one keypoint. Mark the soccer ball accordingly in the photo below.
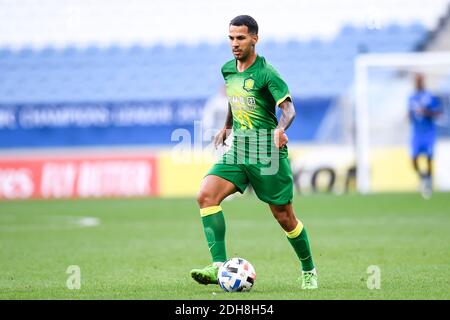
(236, 274)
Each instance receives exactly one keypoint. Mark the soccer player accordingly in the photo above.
(258, 155)
(423, 111)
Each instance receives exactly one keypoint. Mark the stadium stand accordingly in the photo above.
(318, 67)
(317, 71)
(113, 75)
(313, 68)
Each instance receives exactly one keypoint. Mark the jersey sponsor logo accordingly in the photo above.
(242, 103)
(251, 101)
(249, 83)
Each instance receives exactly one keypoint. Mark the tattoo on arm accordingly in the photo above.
(288, 114)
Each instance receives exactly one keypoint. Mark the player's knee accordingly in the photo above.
(285, 219)
(282, 219)
(205, 199)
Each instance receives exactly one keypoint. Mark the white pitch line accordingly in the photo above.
(88, 221)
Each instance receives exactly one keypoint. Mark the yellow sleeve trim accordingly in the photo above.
(210, 210)
(284, 98)
(296, 232)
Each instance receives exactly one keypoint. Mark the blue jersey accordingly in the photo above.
(423, 126)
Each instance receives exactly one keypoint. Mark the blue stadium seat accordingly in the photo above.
(313, 67)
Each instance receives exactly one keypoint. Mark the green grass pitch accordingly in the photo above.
(145, 248)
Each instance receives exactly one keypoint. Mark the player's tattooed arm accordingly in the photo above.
(287, 116)
(222, 135)
(286, 119)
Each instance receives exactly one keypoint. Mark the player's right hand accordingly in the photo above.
(221, 136)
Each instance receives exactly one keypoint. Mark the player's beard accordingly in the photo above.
(244, 55)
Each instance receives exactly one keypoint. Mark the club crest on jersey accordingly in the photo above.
(249, 83)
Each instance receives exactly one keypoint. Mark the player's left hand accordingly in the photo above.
(280, 138)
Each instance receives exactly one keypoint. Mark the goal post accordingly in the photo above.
(439, 62)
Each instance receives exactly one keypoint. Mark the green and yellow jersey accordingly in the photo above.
(253, 96)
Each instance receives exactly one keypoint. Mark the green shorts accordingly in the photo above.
(273, 185)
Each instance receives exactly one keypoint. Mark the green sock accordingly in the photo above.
(214, 228)
(299, 241)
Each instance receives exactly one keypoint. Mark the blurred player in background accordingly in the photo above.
(423, 111)
(254, 89)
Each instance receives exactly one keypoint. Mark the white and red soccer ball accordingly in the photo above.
(236, 274)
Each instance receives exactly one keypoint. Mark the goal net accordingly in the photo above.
(383, 84)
